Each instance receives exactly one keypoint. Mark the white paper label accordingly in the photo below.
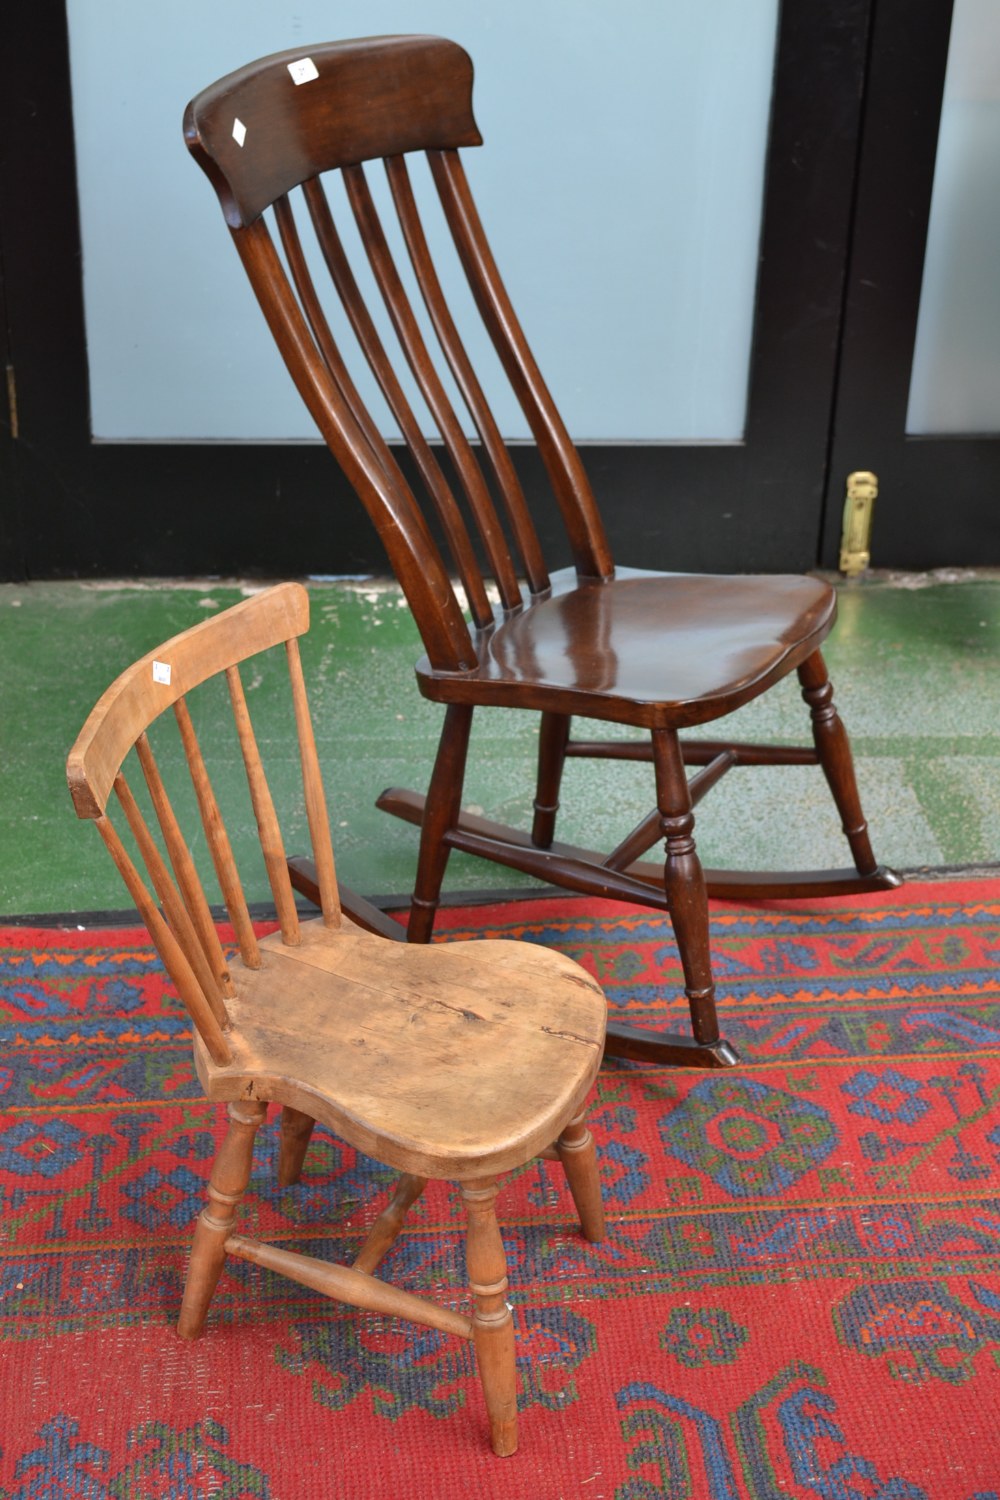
(239, 131)
(161, 672)
(303, 71)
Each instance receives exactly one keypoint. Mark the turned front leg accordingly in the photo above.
(492, 1322)
(441, 810)
(578, 1154)
(552, 741)
(228, 1183)
(834, 751)
(684, 884)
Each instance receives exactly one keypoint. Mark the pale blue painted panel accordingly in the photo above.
(621, 183)
(955, 381)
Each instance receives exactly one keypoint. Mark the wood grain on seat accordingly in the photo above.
(456, 1059)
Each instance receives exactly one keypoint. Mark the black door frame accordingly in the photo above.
(75, 507)
(936, 503)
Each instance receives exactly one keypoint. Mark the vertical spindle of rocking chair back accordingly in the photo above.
(659, 651)
(458, 1060)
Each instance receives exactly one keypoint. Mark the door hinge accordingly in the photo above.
(12, 401)
(859, 505)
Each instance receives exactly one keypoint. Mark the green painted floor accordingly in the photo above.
(914, 662)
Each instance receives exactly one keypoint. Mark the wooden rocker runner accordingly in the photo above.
(460, 1061)
(663, 652)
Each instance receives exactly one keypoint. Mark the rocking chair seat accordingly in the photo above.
(660, 650)
(414, 1055)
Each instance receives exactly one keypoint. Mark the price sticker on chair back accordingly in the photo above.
(303, 71)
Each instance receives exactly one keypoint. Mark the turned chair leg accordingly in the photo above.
(553, 738)
(296, 1130)
(230, 1175)
(492, 1322)
(578, 1154)
(389, 1223)
(834, 751)
(684, 884)
(441, 810)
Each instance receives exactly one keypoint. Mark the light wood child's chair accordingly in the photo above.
(458, 1061)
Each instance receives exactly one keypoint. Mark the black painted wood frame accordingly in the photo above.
(74, 507)
(937, 501)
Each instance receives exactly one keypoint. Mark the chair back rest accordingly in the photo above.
(184, 934)
(282, 123)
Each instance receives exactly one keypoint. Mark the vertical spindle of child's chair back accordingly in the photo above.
(176, 910)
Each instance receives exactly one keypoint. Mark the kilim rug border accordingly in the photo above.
(799, 1295)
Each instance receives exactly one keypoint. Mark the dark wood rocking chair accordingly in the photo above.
(660, 651)
(458, 1061)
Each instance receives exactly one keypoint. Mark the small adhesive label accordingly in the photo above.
(161, 672)
(303, 71)
(239, 131)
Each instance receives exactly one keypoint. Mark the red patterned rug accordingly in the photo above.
(799, 1295)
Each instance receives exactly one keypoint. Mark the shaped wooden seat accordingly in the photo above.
(457, 1061)
(662, 652)
(569, 645)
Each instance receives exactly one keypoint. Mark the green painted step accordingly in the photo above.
(914, 664)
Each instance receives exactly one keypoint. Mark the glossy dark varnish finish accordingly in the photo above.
(662, 652)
